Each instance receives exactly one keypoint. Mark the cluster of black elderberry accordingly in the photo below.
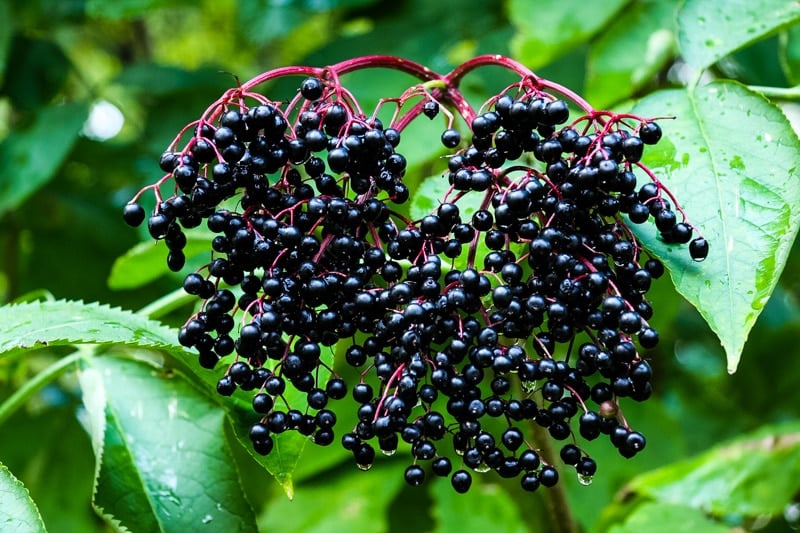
(467, 326)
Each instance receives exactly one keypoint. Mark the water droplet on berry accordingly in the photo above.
(584, 480)
(387, 453)
(482, 468)
(364, 467)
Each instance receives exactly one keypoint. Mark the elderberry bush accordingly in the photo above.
(466, 326)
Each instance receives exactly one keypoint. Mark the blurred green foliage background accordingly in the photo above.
(92, 91)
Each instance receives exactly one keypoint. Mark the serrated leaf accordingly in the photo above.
(546, 30)
(36, 153)
(146, 262)
(351, 501)
(668, 518)
(730, 157)
(709, 30)
(754, 475)
(636, 45)
(64, 322)
(18, 512)
(163, 463)
(486, 507)
(69, 322)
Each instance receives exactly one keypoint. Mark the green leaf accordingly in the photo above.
(486, 507)
(427, 198)
(667, 518)
(40, 69)
(267, 20)
(754, 475)
(546, 30)
(37, 152)
(6, 32)
(125, 9)
(634, 48)
(163, 463)
(288, 446)
(146, 262)
(18, 512)
(709, 30)
(730, 157)
(348, 501)
(64, 322)
(790, 54)
(155, 80)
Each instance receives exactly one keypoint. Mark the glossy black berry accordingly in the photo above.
(133, 214)
(650, 133)
(461, 481)
(415, 475)
(698, 249)
(451, 138)
(311, 88)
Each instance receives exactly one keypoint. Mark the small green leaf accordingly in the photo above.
(36, 153)
(18, 512)
(427, 198)
(486, 507)
(635, 47)
(547, 30)
(63, 322)
(163, 463)
(754, 475)
(146, 262)
(709, 30)
(668, 518)
(348, 501)
(730, 158)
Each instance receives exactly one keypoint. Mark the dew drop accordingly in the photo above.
(584, 480)
(207, 518)
(388, 453)
(482, 468)
(364, 467)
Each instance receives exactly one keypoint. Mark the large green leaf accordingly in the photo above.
(758, 474)
(18, 512)
(33, 155)
(163, 463)
(67, 322)
(708, 30)
(668, 518)
(63, 322)
(636, 45)
(347, 501)
(546, 30)
(62, 457)
(731, 158)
